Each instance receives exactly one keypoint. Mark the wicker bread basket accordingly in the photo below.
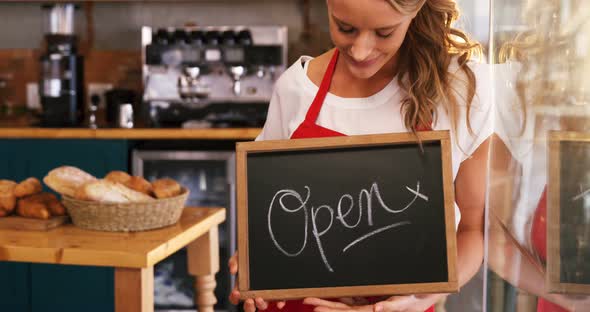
(128, 217)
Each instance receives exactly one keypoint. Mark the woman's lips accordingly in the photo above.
(363, 64)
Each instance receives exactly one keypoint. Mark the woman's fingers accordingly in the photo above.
(233, 264)
(281, 304)
(249, 305)
(261, 304)
(324, 303)
(234, 296)
(394, 303)
(347, 300)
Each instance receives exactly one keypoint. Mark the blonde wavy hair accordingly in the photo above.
(552, 75)
(426, 53)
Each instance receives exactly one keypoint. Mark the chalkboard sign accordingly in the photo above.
(568, 213)
(346, 216)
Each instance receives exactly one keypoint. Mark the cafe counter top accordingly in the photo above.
(130, 134)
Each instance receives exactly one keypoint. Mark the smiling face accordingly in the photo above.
(368, 34)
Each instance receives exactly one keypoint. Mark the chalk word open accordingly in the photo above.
(345, 206)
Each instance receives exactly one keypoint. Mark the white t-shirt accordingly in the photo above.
(379, 113)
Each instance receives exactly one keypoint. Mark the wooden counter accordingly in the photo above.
(131, 134)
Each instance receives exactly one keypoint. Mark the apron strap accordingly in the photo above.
(316, 105)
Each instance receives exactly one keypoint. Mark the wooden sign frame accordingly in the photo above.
(553, 276)
(244, 148)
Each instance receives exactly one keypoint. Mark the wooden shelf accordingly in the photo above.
(99, 1)
(131, 134)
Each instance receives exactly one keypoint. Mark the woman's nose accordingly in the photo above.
(362, 47)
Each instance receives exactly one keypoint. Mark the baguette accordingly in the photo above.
(111, 192)
(66, 180)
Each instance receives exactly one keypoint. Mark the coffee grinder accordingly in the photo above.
(61, 84)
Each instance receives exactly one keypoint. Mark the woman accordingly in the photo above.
(397, 66)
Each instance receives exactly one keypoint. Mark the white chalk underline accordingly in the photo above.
(391, 226)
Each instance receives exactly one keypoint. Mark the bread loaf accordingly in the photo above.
(118, 176)
(66, 180)
(112, 192)
(166, 187)
(139, 184)
(28, 187)
(7, 198)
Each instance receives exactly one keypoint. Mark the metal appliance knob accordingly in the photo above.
(197, 37)
(213, 37)
(244, 37)
(228, 37)
(181, 36)
(162, 36)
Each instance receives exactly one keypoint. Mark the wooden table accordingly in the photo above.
(133, 255)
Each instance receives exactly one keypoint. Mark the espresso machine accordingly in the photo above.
(196, 77)
(61, 87)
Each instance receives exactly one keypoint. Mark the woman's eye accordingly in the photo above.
(346, 30)
(384, 35)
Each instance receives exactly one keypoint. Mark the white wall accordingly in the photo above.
(117, 25)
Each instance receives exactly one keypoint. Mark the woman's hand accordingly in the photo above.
(414, 303)
(250, 305)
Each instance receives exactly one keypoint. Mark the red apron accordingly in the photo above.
(539, 242)
(309, 129)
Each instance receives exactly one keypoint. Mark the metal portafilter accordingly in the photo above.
(94, 100)
(237, 73)
(189, 86)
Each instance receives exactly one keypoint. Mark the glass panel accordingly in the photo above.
(474, 20)
(208, 182)
(538, 249)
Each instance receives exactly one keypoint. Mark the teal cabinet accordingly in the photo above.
(39, 287)
(14, 289)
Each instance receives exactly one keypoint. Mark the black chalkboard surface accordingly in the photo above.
(568, 219)
(361, 215)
